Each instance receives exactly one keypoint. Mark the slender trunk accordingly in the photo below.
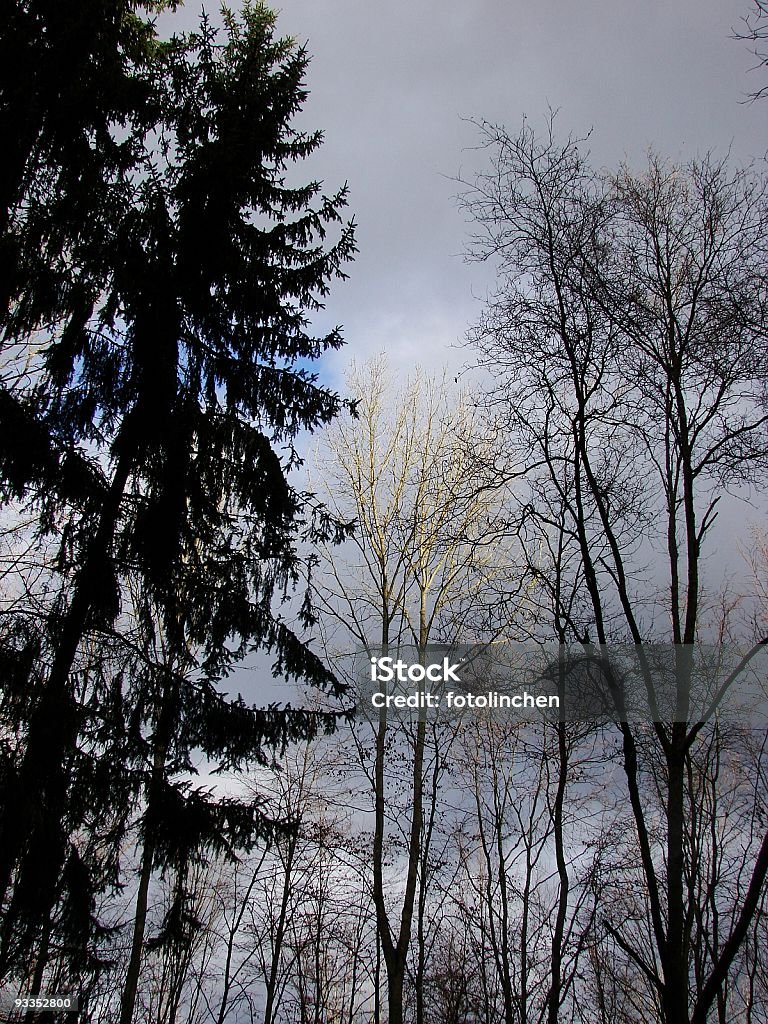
(562, 871)
(675, 961)
(232, 933)
(421, 968)
(420, 960)
(497, 905)
(274, 967)
(355, 968)
(397, 958)
(524, 923)
(36, 985)
(226, 984)
(317, 950)
(377, 982)
(130, 987)
(162, 737)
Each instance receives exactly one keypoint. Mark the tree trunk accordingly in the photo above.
(165, 719)
(41, 783)
(562, 871)
(675, 995)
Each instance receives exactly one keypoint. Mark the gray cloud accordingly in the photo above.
(390, 84)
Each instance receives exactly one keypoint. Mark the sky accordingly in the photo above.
(394, 87)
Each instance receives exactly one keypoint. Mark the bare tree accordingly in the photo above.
(525, 865)
(425, 564)
(754, 29)
(628, 344)
(304, 939)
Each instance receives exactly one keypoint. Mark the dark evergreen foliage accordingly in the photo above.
(160, 271)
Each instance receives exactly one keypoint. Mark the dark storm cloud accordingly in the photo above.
(390, 84)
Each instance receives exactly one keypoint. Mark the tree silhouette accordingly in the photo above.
(162, 275)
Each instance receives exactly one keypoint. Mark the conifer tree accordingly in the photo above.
(161, 275)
